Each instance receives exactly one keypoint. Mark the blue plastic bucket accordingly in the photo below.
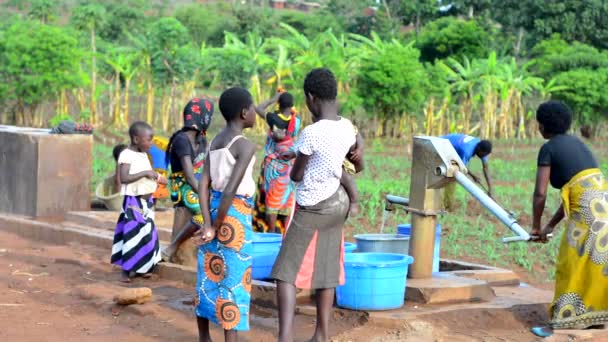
(349, 247)
(261, 265)
(374, 281)
(266, 242)
(404, 229)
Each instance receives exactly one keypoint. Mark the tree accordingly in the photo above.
(555, 55)
(125, 63)
(42, 10)
(583, 21)
(451, 37)
(38, 62)
(174, 59)
(473, 8)
(418, 12)
(392, 81)
(90, 17)
(127, 16)
(585, 93)
(195, 18)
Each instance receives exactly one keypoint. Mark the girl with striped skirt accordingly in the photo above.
(136, 247)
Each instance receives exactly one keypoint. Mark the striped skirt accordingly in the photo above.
(136, 247)
(312, 254)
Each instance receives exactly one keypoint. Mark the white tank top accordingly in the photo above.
(222, 165)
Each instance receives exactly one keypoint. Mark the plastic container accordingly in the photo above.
(266, 242)
(405, 229)
(262, 263)
(374, 281)
(106, 192)
(383, 243)
(349, 247)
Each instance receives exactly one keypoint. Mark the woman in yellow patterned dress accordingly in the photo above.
(581, 284)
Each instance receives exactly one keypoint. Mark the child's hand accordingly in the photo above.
(353, 210)
(287, 155)
(203, 235)
(162, 180)
(356, 154)
(151, 175)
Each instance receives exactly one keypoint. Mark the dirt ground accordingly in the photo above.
(65, 293)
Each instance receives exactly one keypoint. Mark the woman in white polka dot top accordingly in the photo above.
(312, 253)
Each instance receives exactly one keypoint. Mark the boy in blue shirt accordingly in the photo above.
(467, 147)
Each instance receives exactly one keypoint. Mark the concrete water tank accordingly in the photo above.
(44, 174)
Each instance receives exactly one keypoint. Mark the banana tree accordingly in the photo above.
(125, 64)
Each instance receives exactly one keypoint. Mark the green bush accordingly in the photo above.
(453, 37)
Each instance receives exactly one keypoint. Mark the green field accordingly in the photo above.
(469, 232)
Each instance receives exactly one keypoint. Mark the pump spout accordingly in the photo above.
(392, 200)
(494, 208)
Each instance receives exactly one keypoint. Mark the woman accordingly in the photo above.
(312, 253)
(186, 152)
(275, 200)
(581, 280)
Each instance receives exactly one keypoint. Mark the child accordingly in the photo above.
(226, 192)
(275, 198)
(312, 251)
(348, 170)
(186, 152)
(136, 246)
(116, 153)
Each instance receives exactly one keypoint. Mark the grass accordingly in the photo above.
(469, 232)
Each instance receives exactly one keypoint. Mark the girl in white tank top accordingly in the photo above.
(226, 192)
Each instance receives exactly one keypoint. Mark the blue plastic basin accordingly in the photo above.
(349, 247)
(262, 264)
(266, 242)
(374, 281)
(405, 229)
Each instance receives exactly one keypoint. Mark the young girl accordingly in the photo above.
(224, 263)
(186, 152)
(312, 252)
(275, 199)
(136, 246)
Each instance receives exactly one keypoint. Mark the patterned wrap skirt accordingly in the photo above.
(312, 253)
(136, 247)
(223, 284)
(276, 190)
(581, 279)
(182, 195)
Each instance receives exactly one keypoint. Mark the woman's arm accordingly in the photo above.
(126, 178)
(540, 197)
(203, 193)
(297, 171)
(205, 233)
(243, 151)
(261, 108)
(486, 174)
(189, 172)
(557, 217)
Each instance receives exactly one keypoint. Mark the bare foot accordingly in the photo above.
(124, 277)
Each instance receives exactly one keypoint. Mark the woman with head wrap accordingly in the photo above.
(186, 152)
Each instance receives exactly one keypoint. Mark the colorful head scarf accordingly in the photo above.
(197, 114)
